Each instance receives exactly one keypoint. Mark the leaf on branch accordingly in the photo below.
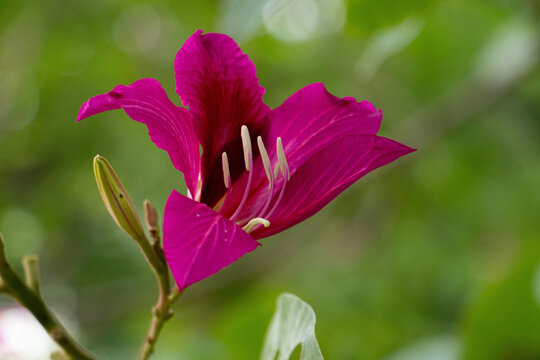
(293, 324)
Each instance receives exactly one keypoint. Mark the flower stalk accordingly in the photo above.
(161, 312)
(28, 295)
(121, 209)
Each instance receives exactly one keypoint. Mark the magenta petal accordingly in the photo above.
(326, 174)
(170, 127)
(198, 242)
(219, 84)
(312, 118)
(307, 122)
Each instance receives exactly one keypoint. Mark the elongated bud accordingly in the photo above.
(152, 218)
(116, 199)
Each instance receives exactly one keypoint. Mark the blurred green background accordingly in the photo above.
(436, 256)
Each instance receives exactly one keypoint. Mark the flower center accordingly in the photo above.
(276, 186)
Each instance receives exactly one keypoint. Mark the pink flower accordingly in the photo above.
(261, 170)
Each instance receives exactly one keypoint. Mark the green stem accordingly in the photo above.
(32, 300)
(161, 312)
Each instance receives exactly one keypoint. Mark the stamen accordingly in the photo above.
(248, 158)
(246, 144)
(283, 167)
(246, 191)
(282, 164)
(250, 226)
(226, 181)
(268, 199)
(268, 170)
(265, 159)
(283, 187)
(226, 173)
(276, 171)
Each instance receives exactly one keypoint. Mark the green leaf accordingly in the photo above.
(440, 347)
(293, 323)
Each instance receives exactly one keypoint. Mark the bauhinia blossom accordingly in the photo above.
(261, 170)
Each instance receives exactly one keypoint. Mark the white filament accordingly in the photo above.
(268, 170)
(282, 191)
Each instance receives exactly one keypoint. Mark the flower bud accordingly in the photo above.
(116, 199)
(152, 218)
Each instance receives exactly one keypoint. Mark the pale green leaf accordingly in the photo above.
(293, 324)
(442, 347)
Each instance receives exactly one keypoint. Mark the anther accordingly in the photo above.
(268, 169)
(265, 159)
(246, 144)
(226, 173)
(250, 226)
(248, 157)
(282, 164)
(283, 167)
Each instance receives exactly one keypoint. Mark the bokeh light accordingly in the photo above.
(301, 20)
(22, 337)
